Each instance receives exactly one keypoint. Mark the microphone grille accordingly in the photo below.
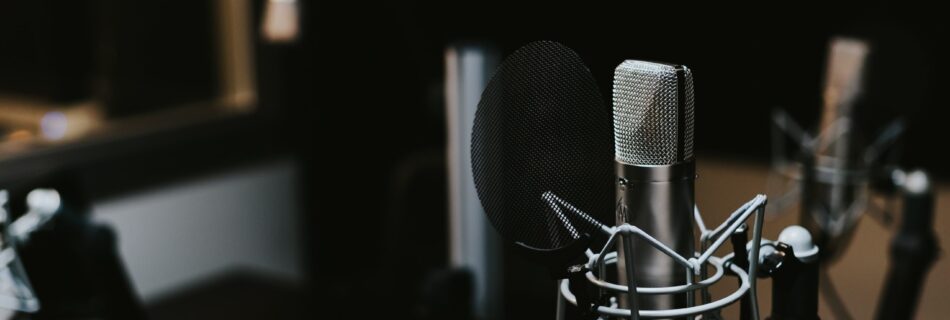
(653, 113)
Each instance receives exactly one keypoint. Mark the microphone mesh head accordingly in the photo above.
(653, 113)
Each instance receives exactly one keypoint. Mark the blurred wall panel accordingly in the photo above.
(156, 53)
(474, 244)
(176, 236)
(46, 49)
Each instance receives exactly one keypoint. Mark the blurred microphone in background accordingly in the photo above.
(839, 173)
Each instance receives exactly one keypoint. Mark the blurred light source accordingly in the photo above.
(42, 204)
(53, 125)
(281, 21)
(19, 135)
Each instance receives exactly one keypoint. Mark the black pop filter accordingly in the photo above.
(542, 146)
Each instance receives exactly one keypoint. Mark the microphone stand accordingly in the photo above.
(913, 250)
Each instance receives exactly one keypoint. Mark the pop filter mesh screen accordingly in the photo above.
(542, 126)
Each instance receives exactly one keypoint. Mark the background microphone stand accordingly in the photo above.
(72, 261)
(913, 250)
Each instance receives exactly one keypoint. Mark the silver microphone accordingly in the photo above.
(653, 109)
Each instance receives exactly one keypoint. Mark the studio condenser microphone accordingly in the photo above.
(653, 136)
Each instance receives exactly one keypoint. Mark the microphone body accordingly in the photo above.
(653, 128)
(659, 200)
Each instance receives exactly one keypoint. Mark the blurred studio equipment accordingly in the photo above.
(16, 292)
(913, 249)
(837, 175)
(831, 209)
(473, 246)
(72, 261)
(830, 172)
(834, 171)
